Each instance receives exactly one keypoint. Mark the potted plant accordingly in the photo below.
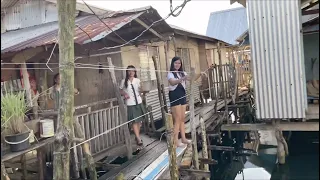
(13, 108)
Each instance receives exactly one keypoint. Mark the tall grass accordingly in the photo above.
(13, 109)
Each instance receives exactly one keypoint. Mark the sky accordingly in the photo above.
(194, 17)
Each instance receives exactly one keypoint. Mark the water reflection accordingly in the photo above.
(299, 166)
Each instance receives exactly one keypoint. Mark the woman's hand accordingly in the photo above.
(126, 96)
(76, 91)
(184, 78)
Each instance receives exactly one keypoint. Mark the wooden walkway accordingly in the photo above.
(152, 160)
(152, 149)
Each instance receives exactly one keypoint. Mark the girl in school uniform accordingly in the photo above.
(130, 89)
(177, 95)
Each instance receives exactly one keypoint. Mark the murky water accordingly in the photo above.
(301, 164)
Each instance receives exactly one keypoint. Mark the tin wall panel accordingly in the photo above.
(29, 13)
(277, 56)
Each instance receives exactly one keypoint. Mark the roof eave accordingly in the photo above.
(197, 36)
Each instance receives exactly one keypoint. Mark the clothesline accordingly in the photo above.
(123, 124)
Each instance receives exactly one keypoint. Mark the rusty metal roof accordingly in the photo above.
(46, 34)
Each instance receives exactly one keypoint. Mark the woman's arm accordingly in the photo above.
(196, 77)
(122, 92)
(174, 82)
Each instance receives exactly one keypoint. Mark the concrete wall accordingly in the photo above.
(311, 50)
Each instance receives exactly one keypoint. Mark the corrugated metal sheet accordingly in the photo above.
(152, 99)
(8, 3)
(277, 56)
(29, 13)
(46, 34)
(227, 25)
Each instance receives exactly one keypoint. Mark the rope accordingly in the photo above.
(123, 124)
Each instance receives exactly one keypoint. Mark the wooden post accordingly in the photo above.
(26, 84)
(122, 108)
(4, 175)
(43, 87)
(163, 113)
(195, 157)
(61, 162)
(174, 46)
(171, 148)
(86, 150)
(164, 98)
(223, 90)
(23, 160)
(282, 148)
(153, 127)
(205, 154)
(41, 163)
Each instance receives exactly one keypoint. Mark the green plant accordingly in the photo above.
(13, 108)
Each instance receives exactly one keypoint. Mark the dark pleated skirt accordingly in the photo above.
(136, 111)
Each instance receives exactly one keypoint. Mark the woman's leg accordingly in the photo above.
(175, 110)
(136, 130)
(182, 125)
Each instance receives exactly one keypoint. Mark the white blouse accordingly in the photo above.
(132, 91)
(171, 76)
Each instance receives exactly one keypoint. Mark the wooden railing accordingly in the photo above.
(214, 81)
(11, 86)
(98, 122)
(244, 74)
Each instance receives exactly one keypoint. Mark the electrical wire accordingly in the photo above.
(153, 23)
(123, 124)
(103, 21)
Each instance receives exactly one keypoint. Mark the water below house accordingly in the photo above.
(302, 162)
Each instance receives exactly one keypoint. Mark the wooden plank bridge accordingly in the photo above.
(152, 160)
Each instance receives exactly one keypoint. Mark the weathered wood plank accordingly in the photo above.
(186, 159)
(123, 112)
(132, 162)
(196, 173)
(159, 166)
(220, 148)
(104, 125)
(291, 126)
(102, 139)
(12, 155)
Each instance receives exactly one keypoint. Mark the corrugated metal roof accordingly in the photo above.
(180, 30)
(227, 25)
(47, 33)
(8, 3)
(277, 58)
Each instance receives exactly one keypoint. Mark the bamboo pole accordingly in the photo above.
(171, 148)
(163, 112)
(122, 108)
(61, 163)
(195, 157)
(205, 154)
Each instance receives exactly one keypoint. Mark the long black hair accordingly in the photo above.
(54, 78)
(127, 75)
(174, 59)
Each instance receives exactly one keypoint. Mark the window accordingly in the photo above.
(184, 53)
(146, 62)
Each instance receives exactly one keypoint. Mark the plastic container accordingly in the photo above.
(18, 142)
(46, 128)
